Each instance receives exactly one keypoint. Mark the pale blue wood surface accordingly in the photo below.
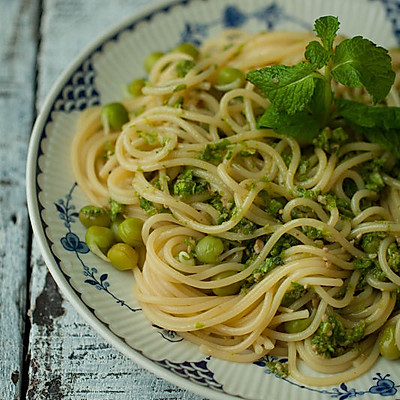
(18, 42)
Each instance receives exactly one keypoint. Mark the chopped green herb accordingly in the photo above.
(245, 226)
(370, 242)
(331, 201)
(147, 206)
(312, 233)
(272, 206)
(285, 242)
(278, 368)
(302, 169)
(116, 209)
(368, 266)
(306, 193)
(330, 140)
(394, 257)
(190, 246)
(259, 273)
(247, 153)
(293, 294)
(332, 339)
(224, 210)
(215, 152)
(286, 156)
(187, 185)
(372, 174)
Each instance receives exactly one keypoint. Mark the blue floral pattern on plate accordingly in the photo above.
(71, 242)
(79, 92)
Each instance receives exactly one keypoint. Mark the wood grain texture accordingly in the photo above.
(18, 43)
(68, 360)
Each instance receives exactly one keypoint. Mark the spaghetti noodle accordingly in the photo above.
(309, 263)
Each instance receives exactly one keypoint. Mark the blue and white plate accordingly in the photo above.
(102, 294)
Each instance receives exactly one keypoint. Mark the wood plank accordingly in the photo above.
(18, 44)
(68, 360)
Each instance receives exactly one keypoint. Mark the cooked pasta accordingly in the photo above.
(254, 243)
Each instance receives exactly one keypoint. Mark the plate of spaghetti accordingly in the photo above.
(219, 197)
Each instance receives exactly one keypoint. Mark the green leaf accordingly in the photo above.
(317, 55)
(289, 88)
(318, 102)
(369, 116)
(358, 62)
(379, 125)
(326, 28)
(301, 125)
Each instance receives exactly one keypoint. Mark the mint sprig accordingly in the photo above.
(302, 99)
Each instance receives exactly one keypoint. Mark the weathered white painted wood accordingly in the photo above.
(70, 26)
(18, 42)
(68, 360)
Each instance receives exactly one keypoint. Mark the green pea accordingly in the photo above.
(114, 115)
(228, 290)
(114, 227)
(208, 249)
(187, 48)
(297, 325)
(151, 59)
(135, 87)
(130, 231)
(92, 215)
(387, 343)
(99, 238)
(228, 76)
(122, 256)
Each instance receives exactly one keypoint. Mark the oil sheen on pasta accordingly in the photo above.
(309, 231)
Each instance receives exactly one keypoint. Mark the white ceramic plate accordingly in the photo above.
(102, 294)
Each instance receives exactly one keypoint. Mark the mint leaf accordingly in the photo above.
(318, 102)
(369, 116)
(289, 88)
(358, 62)
(317, 54)
(379, 125)
(301, 125)
(326, 29)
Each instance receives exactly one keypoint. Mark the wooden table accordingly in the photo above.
(46, 350)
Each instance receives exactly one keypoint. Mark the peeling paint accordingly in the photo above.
(48, 305)
(15, 377)
(53, 388)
